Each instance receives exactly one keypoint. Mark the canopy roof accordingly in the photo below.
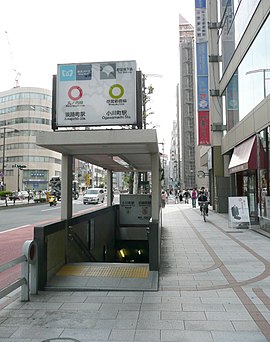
(115, 150)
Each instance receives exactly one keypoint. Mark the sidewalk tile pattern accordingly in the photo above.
(213, 286)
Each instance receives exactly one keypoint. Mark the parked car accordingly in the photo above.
(16, 196)
(94, 195)
(24, 194)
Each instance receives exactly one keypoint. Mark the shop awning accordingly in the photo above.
(244, 156)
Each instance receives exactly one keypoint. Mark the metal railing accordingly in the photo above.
(28, 280)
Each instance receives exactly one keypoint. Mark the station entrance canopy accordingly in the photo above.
(115, 150)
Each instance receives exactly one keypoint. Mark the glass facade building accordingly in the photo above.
(245, 87)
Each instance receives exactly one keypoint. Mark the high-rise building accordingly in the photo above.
(187, 100)
(24, 113)
(190, 151)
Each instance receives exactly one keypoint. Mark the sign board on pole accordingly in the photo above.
(96, 94)
(239, 212)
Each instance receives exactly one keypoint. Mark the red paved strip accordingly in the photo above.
(263, 297)
(11, 243)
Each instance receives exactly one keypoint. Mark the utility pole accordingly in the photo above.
(5, 128)
(19, 167)
(3, 161)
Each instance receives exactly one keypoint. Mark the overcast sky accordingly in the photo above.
(36, 35)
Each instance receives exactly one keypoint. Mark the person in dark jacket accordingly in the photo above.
(203, 201)
(186, 196)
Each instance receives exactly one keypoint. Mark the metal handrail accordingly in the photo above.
(28, 280)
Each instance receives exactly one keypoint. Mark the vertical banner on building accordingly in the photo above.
(202, 73)
(238, 212)
(203, 126)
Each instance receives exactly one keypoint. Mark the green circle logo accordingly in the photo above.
(116, 91)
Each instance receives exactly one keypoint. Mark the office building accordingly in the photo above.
(187, 100)
(24, 113)
(190, 150)
(243, 49)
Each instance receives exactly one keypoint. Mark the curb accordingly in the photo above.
(12, 206)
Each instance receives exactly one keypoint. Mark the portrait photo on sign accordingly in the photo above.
(238, 212)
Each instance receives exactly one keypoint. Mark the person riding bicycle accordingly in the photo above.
(203, 201)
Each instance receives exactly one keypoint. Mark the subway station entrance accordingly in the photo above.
(81, 253)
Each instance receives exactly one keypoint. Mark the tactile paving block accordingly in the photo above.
(105, 271)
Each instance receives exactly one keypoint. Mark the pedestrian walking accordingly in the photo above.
(186, 196)
(163, 199)
(194, 197)
(180, 196)
(176, 195)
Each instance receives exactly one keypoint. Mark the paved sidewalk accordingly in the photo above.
(214, 286)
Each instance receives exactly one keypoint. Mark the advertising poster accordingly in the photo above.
(203, 99)
(96, 94)
(203, 128)
(201, 27)
(238, 212)
(135, 209)
(202, 59)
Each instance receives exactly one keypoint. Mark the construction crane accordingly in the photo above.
(17, 74)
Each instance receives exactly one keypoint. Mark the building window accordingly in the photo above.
(23, 95)
(251, 81)
(25, 108)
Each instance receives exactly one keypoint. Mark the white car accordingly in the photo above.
(24, 194)
(94, 195)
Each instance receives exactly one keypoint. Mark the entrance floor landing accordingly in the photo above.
(104, 276)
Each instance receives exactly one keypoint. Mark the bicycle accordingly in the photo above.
(203, 206)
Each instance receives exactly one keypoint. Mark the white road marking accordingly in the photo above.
(10, 230)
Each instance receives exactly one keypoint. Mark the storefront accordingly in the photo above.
(263, 186)
(35, 179)
(250, 175)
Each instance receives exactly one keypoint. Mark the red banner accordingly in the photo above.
(203, 128)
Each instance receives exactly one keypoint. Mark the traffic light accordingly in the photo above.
(87, 179)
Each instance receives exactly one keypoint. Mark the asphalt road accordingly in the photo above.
(23, 215)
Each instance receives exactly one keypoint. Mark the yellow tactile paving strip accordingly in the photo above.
(104, 271)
